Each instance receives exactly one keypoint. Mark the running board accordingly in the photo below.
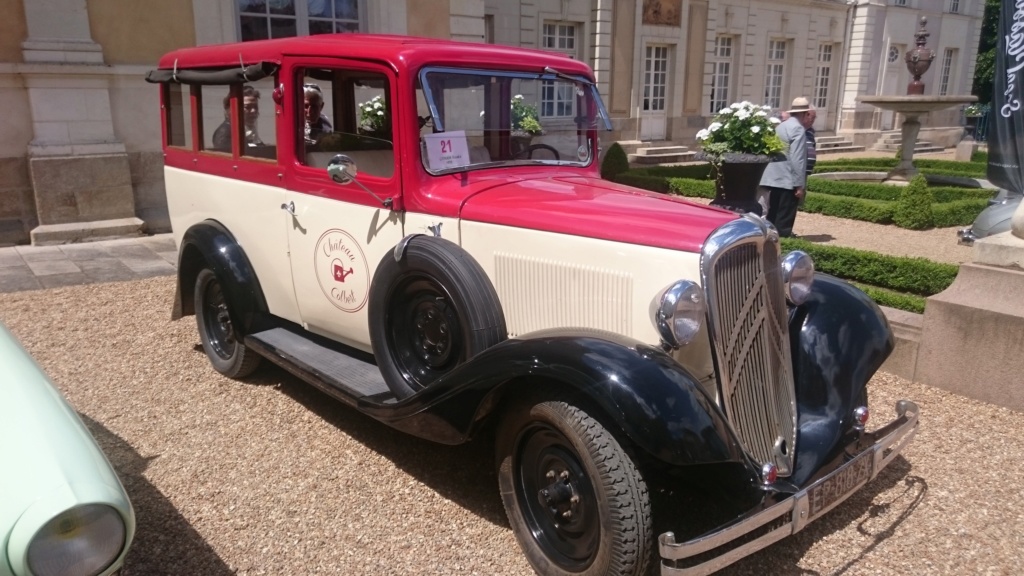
(328, 366)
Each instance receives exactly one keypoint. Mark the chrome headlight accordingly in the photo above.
(797, 276)
(678, 313)
(83, 540)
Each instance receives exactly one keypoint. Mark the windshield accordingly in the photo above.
(474, 119)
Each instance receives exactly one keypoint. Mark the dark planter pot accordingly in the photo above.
(970, 127)
(736, 179)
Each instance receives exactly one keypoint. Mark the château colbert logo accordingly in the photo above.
(1014, 53)
(341, 270)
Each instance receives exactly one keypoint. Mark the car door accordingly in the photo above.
(338, 233)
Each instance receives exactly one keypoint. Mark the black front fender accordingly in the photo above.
(648, 396)
(839, 339)
(209, 244)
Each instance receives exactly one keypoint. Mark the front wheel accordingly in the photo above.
(576, 502)
(221, 342)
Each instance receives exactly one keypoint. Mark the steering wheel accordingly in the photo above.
(528, 151)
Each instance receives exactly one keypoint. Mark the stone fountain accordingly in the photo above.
(915, 104)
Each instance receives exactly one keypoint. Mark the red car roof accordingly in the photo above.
(408, 52)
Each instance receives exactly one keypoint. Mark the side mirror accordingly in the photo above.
(342, 169)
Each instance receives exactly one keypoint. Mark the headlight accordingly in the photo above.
(84, 540)
(678, 313)
(797, 276)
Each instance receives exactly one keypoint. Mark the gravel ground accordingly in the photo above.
(269, 476)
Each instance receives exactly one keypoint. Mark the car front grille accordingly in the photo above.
(750, 335)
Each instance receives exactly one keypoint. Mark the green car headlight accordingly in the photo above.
(82, 541)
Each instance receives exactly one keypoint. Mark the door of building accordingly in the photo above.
(895, 71)
(653, 101)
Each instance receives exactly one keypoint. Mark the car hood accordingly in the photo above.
(596, 208)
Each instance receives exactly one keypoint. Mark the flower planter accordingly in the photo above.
(737, 177)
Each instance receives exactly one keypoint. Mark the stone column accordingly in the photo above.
(78, 167)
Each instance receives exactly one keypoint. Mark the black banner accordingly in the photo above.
(1006, 120)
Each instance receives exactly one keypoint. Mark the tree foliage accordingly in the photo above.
(985, 67)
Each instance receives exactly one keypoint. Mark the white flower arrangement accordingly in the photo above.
(374, 118)
(740, 128)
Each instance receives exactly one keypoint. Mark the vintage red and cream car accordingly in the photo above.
(419, 229)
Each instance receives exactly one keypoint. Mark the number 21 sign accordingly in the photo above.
(447, 150)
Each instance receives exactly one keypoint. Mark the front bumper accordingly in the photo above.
(712, 551)
(965, 236)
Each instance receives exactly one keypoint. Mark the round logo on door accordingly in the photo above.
(341, 270)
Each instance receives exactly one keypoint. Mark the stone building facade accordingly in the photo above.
(80, 155)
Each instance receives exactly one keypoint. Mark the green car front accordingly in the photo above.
(63, 510)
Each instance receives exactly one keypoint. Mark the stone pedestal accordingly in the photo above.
(78, 168)
(964, 150)
(80, 198)
(972, 339)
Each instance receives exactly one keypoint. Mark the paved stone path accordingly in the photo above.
(35, 267)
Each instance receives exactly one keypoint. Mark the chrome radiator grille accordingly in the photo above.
(750, 335)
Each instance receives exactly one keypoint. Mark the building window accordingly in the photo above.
(721, 71)
(560, 37)
(822, 75)
(262, 19)
(948, 60)
(775, 71)
(954, 6)
(899, 2)
(557, 99)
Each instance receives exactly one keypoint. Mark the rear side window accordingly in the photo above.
(242, 112)
(178, 107)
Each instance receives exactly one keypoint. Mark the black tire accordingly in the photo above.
(529, 150)
(221, 342)
(429, 312)
(554, 459)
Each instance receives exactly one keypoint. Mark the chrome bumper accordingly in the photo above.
(965, 236)
(789, 516)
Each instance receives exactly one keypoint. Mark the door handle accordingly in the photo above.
(289, 208)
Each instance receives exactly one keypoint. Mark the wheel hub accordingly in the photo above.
(560, 498)
(433, 332)
(224, 322)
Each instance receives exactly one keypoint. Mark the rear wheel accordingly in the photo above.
(221, 342)
(576, 502)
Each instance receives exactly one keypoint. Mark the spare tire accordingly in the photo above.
(429, 312)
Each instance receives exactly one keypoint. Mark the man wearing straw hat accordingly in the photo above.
(783, 183)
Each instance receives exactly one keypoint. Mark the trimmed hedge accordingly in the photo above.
(900, 301)
(692, 188)
(900, 273)
(639, 180)
(914, 208)
(850, 208)
(615, 162)
(693, 171)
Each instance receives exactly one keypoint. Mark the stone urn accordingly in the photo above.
(737, 177)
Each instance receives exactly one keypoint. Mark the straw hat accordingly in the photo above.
(800, 104)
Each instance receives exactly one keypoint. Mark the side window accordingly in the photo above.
(347, 112)
(178, 106)
(254, 126)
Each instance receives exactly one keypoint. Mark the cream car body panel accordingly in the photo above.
(254, 215)
(334, 254)
(548, 280)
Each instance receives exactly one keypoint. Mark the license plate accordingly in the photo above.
(835, 488)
